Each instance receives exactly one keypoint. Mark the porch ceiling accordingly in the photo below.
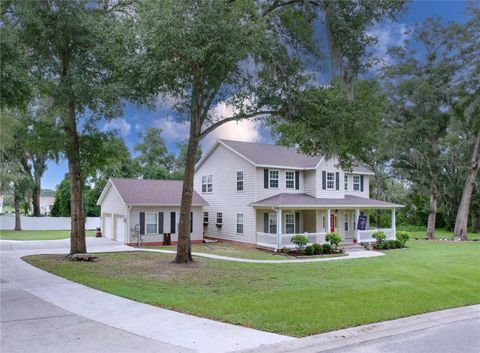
(285, 200)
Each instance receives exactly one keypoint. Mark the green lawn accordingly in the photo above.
(38, 234)
(440, 233)
(293, 299)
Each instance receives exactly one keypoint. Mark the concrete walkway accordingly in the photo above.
(42, 312)
(358, 254)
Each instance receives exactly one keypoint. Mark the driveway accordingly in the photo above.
(41, 312)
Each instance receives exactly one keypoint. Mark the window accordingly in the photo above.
(356, 182)
(346, 222)
(205, 217)
(207, 185)
(151, 223)
(239, 181)
(240, 223)
(330, 181)
(272, 223)
(273, 179)
(290, 223)
(290, 180)
(345, 178)
(219, 218)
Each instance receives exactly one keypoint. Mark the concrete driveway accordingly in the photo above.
(41, 312)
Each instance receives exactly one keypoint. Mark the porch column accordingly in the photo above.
(394, 226)
(279, 228)
(357, 234)
(328, 221)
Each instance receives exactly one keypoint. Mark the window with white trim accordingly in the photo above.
(272, 223)
(346, 222)
(356, 182)
(273, 179)
(239, 223)
(330, 181)
(290, 179)
(205, 217)
(207, 184)
(240, 181)
(290, 223)
(151, 220)
(345, 178)
(219, 218)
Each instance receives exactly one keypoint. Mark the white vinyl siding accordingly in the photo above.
(290, 179)
(207, 183)
(240, 223)
(273, 177)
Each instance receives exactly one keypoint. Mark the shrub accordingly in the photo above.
(339, 251)
(300, 240)
(379, 236)
(334, 239)
(309, 250)
(399, 244)
(327, 248)
(366, 245)
(402, 236)
(285, 250)
(379, 246)
(317, 249)
(393, 244)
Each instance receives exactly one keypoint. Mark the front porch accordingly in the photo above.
(315, 224)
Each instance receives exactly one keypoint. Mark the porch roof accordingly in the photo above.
(285, 200)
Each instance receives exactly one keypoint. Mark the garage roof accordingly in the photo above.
(148, 192)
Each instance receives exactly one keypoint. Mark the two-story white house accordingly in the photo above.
(263, 194)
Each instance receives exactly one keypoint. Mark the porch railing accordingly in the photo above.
(366, 235)
(268, 240)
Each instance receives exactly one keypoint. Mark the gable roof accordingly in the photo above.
(149, 192)
(306, 201)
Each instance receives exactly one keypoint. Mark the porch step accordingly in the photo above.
(349, 247)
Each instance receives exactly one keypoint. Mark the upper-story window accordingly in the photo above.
(273, 179)
(207, 184)
(345, 178)
(240, 181)
(330, 181)
(290, 179)
(356, 182)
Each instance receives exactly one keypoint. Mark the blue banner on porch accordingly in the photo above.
(362, 222)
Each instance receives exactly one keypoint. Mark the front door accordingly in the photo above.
(332, 222)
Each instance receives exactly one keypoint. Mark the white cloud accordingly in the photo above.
(138, 127)
(172, 129)
(119, 124)
(388, 34)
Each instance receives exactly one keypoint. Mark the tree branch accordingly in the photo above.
(234, 118)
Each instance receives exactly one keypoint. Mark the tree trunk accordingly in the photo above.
(184, 246)
(16, 205)
(475, 220)
(77, 233)
(36, 197)
(461, 222)
(432, 214)
(377, 192)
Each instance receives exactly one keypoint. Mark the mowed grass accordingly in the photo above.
(440, 233)
(292, 299)
(38, 234)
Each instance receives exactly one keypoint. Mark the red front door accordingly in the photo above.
(332, 223)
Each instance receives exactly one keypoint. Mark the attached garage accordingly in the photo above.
(144, 210)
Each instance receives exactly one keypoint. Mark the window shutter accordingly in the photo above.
(361, 182)
(142, 222)
(265, 223)
(297, 179)
(191, 222)
(337, 180)
(160, 222)
(297, 222)
(324, 180)
(173, 221)
(265, 178)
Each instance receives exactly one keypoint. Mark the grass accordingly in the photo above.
(292, 299)
(38, 234)
(440, 233)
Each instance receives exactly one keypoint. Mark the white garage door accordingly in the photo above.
(120, 228)
(107, 232)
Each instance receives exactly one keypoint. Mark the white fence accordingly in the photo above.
(45, 223)
(266, 240)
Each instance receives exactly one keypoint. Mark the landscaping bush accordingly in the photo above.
(327, 248)
(399, 244)
(402, 236)
(379, 236)
(334, 239)
(309, 250)
(393, 244)
(300, 240)
(317, 249)
(385, 245)
(285, 250)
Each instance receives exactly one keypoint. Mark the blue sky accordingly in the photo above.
(136, 119)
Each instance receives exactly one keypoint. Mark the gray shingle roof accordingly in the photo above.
(153, 192)
(273, 155)
(296, 200)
